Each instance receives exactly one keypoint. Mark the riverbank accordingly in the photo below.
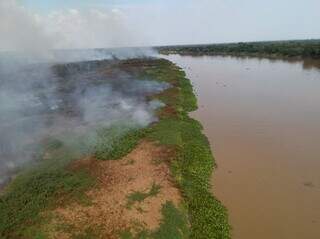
(153, 182)
(249, 108)
(289, 50)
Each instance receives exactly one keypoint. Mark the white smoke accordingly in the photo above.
(23, 30)
(20, 30)
(88, 28)
(39, 99)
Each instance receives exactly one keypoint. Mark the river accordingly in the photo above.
(262, 118)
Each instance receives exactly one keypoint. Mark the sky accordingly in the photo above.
(105, 23)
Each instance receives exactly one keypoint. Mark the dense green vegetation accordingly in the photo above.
(274, 49)
(53, 181)
(38, 188)
(194, 163)
(174, 225)
(117, 141)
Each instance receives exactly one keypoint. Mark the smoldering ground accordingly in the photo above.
(43, 94)
(41, 100)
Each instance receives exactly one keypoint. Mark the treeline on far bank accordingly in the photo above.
(287, 49)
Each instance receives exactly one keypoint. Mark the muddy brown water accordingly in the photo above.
(262, 118)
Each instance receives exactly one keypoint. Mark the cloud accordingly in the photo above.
(21, 30)
(145, 23)
(91, 28)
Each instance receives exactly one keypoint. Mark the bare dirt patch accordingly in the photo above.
(109, 212)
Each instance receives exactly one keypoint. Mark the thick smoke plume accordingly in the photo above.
(47, 91)
(43, 100)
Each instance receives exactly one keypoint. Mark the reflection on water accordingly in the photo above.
(262, 118)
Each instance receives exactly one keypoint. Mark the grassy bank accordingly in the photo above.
(274, 49)
(194, 162)
(38, 188)
(54, 182)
